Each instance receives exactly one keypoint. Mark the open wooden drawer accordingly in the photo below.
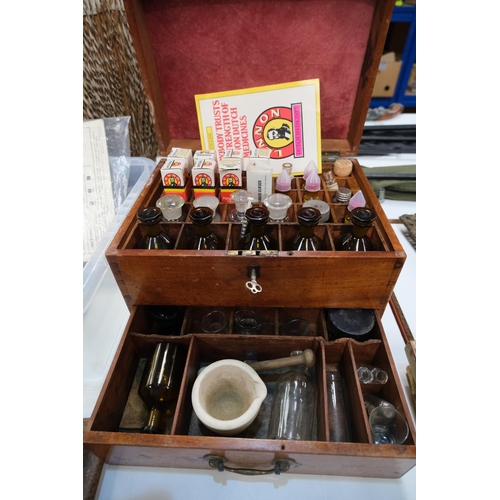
(114, 429)
(328, 278)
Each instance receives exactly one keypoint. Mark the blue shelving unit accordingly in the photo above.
(403, 14)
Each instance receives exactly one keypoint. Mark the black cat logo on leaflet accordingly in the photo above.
(280, 130)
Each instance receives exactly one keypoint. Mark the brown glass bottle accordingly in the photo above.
(357, 240)
(155, 238)
(305, 239)
(160, 384)
(204, 238)
(257, 239)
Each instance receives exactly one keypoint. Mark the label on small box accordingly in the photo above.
(203, 173)
(204, 191)
(205, 154)
(231, 170)
(225, 195)
(184, 191)
(258, 154)
(259, 180)
(187, 154)
(174, 172)
(232, 153)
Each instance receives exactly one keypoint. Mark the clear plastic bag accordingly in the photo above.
(118, 142)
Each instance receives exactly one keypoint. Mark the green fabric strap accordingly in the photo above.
(395, 189)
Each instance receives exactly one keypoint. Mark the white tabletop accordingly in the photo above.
(102, 328)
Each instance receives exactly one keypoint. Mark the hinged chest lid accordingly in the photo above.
(189, 47)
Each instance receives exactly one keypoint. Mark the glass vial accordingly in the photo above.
(204, 238)
(330, 181)
(257, 239)
(305, 239)
(288, 167)
(357, 240)
(372, 401)
(160, 385)
(293, 411)
(155, 238)
(340, 431)
(369, 374)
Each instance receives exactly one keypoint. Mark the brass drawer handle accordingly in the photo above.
(279, 466)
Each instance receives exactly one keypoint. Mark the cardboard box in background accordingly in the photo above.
(411, 89)
(387, 76)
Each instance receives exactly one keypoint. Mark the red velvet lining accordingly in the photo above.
(210, 46)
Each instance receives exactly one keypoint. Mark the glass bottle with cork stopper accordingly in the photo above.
(155, 238)
(257, 239)
(357, 240)
(305, 239)
(204, 238)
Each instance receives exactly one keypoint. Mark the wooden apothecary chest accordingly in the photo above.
(344, 44)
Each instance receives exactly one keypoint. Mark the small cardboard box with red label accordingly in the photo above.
(182, 153)
(204, 177)
(175, 177)
(230, 173)
(205, 154)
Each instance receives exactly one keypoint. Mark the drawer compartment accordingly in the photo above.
(328, 278)
(114, 430)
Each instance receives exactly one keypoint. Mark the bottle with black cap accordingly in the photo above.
(358, 240)
(155, 238)
(204, 238)
(257, 239)
(305, 239)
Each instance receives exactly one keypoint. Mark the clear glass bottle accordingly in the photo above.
(160, 384)
(204, 238)
(155, 238)
(373, 401)
(305, 239)
(257, 239)
(340, 428)
(369, 374)
(293, 410)
(288, 167)
(357, 240)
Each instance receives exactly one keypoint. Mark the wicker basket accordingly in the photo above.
(112, 83)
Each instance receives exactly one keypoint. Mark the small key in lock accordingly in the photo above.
(252, 285)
